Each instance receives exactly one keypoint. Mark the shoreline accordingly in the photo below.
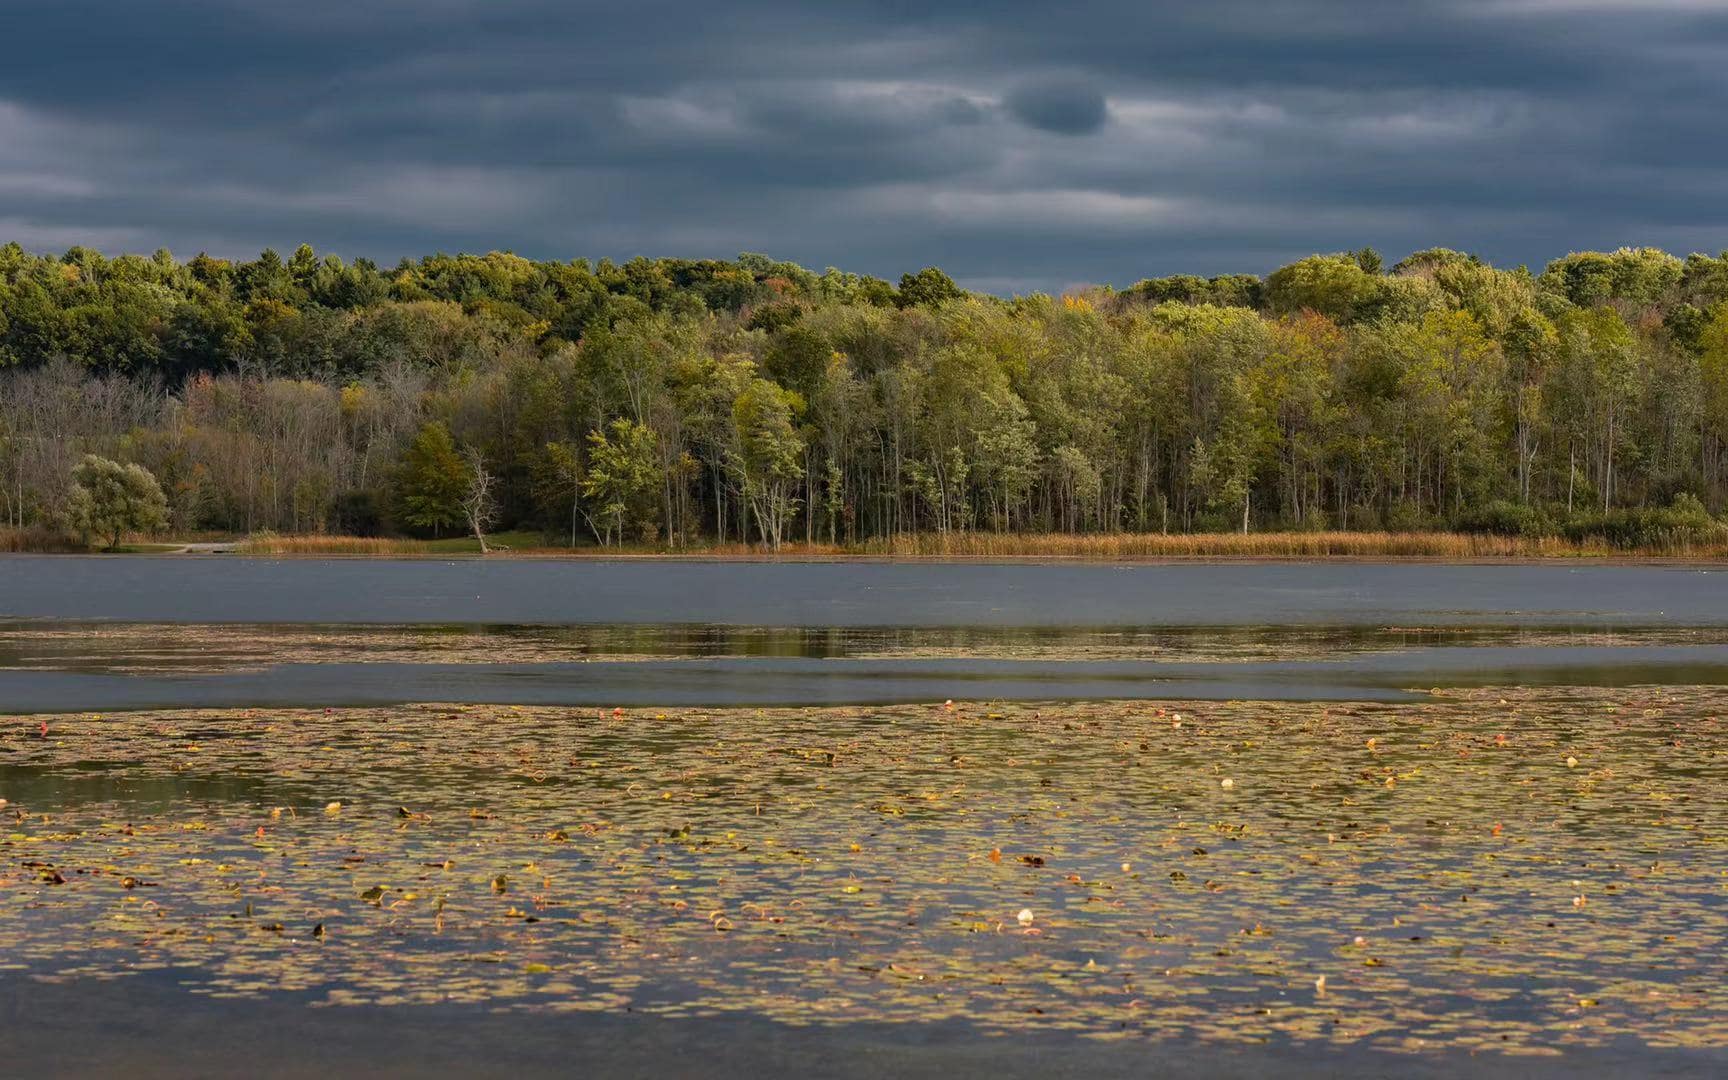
(1414, 546)
(1274, 548)
(1438, 546)
(1560, 559)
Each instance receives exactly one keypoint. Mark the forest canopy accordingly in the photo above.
(674, 401)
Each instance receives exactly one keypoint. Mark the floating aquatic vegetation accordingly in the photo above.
(164, 648)
(1398, 876)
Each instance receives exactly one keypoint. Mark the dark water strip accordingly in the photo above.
(147, 1029)
(220, 589)
(796, 681)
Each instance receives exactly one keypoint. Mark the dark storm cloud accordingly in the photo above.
(1063, 106)
(1017, 144)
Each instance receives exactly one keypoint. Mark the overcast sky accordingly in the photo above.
(1017, 145)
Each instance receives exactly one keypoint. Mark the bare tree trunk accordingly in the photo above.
(479, 504)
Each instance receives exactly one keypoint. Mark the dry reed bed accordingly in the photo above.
(1104, 546)
(1255, 545)
(34, 539)
(333, 545)
(1113, 546)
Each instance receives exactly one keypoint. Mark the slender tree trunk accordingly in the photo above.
(1571, 474)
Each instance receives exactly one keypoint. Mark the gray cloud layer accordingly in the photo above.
(1018, 145)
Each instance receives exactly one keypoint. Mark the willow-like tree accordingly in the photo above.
(110, 499)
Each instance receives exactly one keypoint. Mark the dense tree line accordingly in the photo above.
(675, 400)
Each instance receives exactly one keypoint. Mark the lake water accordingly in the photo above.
(106, 633)
(685, 818)
(635, 592)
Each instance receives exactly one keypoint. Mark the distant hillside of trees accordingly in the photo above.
(681, 401)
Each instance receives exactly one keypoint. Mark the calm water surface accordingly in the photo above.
(221, 589)
(106, 633)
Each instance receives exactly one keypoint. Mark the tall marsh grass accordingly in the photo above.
(1267, 545)
(270, 544)
(1099, 547)
(37, 539)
